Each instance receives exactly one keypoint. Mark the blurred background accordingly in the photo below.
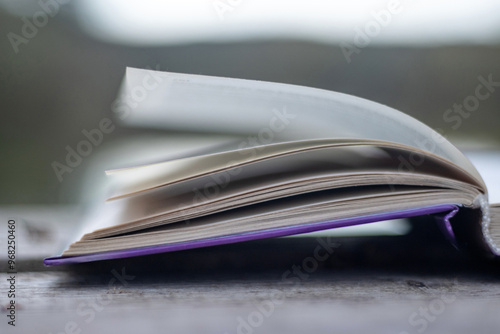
(62, 62)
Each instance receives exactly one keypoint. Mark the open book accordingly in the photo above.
(310, 160)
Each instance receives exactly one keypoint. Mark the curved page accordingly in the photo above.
(272, 112)
(143, 178)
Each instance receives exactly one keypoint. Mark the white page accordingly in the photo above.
(270, 111)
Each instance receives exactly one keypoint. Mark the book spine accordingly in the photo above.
(486, 223)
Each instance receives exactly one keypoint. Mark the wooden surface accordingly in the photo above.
(406, 284)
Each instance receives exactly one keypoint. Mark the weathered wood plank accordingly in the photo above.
(326, 302)
(406, 284)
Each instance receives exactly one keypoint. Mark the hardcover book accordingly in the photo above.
(309, 160)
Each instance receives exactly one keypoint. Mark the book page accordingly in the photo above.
(305, 171)
(320, 206)
(272, 112)
(144, 178)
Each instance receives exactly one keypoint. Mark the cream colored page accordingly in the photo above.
(140, 178)
(135, 180)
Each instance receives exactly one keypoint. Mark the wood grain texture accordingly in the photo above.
(409, 284)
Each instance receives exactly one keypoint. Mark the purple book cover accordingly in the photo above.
(443, 212)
